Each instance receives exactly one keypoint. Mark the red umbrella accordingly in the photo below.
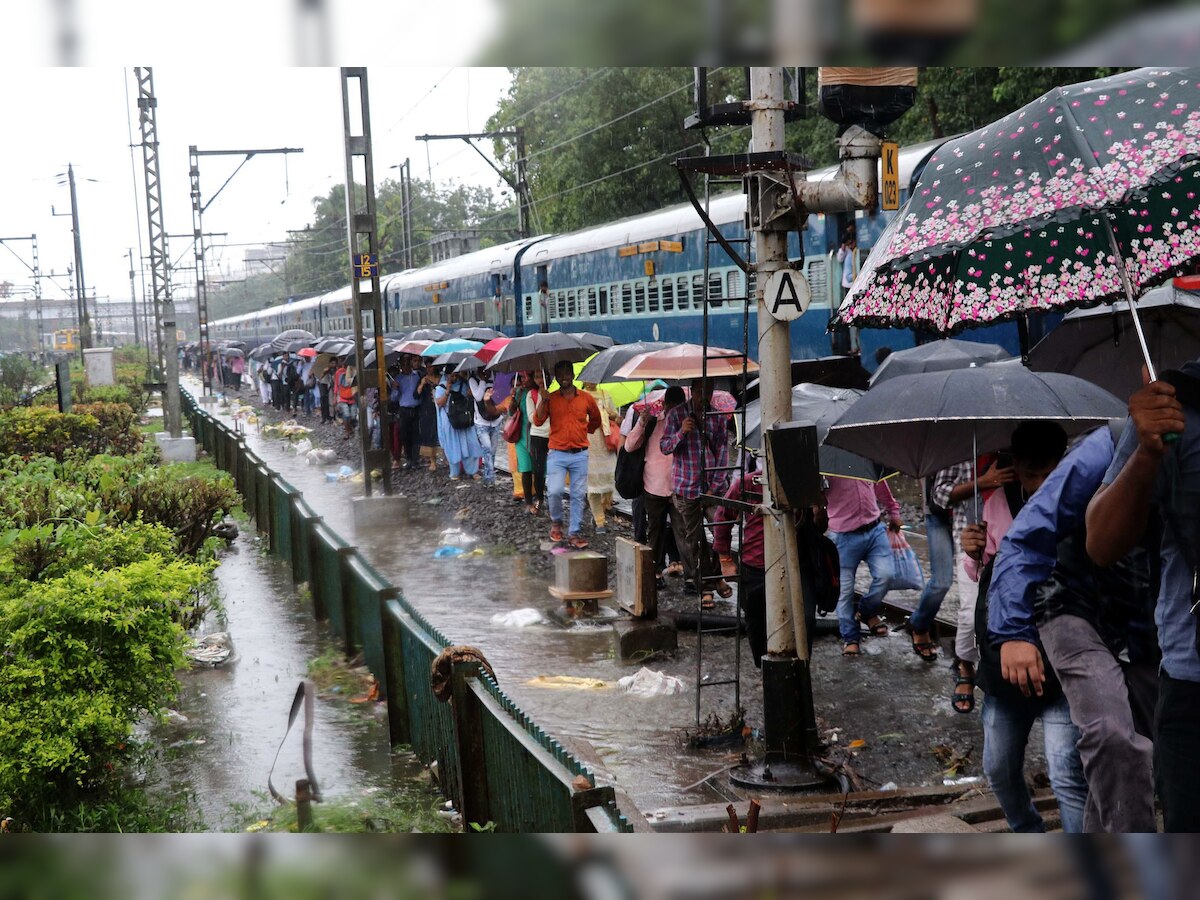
(491, 348)
(307, 352)
(414, 347)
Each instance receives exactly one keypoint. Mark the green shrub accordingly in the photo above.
(110, 393)
(117, 430)
(41, 431)
(85, 656)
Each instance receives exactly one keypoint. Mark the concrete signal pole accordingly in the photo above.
(85, 326)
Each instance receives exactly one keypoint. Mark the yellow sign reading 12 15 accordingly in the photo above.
(890, 187)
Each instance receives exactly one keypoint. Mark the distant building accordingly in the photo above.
(449, 244)
(266, 259)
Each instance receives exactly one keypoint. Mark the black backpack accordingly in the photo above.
(460, 409)
(631, 466)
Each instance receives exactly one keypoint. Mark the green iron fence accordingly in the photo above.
(492, 759)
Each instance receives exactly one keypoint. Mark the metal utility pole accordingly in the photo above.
(85, 326)
(520, 184)
(198, 208)
(406, 211)
(37, 285)
(363, 233)
(160, 262)
(133, 301)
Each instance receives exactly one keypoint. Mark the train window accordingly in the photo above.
(528, 307)
(592, 309)
(652, 297)
(480, 311)
(509, 310)
(698, 290)
(817, 271)
(715, 283)
(668, 295)
(443, 315)
(751, 283)
(561, 303)
(603, 302)
(733, 284)
(639, 297)
(456, 314)
(627, 298)
(681, 292)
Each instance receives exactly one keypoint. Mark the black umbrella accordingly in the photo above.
(937, 356)
(822, 406)
(1100, 345)
(262, 351)
(231, 351)
(240, 345)
(539, 351)
(391, 354)
(284, 338)
(428, 334)
(299, 344)
(327, 341)
(831, 371)
(593, 340)
(453, 358)
(921, 424)
(477, 334)
(600, 368)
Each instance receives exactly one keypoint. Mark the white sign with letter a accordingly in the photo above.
(786, 294)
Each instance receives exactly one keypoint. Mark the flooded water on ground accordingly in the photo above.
(889, 698)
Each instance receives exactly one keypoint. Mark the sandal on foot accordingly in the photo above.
(846, 651)
(927, 650)
(675, 570)
(962, 703)
(578, 543)
(706, 601)
(556, 534)
(724, 590)
(879, 628)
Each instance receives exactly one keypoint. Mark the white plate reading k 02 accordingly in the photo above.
(786, 294)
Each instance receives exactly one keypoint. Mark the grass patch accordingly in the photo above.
(154, 426)
(335, 676)
(414, 806)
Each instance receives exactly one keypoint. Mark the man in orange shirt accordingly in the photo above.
(572, 414)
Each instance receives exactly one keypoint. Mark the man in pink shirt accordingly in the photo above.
(656, 475)
(860, 536)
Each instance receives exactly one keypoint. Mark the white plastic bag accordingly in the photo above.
(646, 683)
(519, 618)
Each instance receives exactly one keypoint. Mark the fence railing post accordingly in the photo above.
(474, 804)
(399, 731)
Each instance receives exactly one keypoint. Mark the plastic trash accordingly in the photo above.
(890, 786)
(456, 537)
(302, 447)
(448, 552)
(570, 682)
(647, 683)
(955, 782)
(211, 650)
(520, 618)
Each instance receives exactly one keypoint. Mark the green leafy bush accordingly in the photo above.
(42, 431)
(111, 393)
(85, 656)
(116, 431)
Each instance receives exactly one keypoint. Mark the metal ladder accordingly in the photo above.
(710, 474)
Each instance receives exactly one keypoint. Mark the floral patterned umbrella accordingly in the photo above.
(1086, 195)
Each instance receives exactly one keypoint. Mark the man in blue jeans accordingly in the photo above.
(854, 526)
(572, 414)
(939, 537)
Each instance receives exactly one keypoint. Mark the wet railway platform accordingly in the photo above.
(887, 712)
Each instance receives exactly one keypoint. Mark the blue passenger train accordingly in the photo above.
(640, 278)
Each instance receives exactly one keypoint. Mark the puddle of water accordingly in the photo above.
(237, 713)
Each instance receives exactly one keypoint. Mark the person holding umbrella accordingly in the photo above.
(696, 441)
(573, 415)
(237, 366)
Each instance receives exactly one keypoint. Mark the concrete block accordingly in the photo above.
(638, 639)
(636, 593)
(373, 512)
(180, 449)
(585, 571)
(99, 367)
(207, 400)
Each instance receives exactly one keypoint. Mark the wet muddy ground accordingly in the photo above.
(891, 700)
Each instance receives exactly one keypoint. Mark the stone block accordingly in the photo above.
(180, 449)
(942, 823)
(99, 367)
(636, 593)
(639, 639)
(375, 512)
(582, 572)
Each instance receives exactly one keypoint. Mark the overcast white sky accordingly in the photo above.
(52, 117)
